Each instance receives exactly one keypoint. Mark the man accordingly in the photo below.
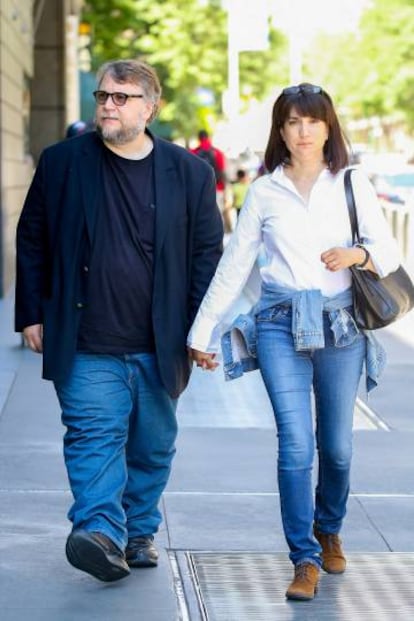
(77, 128)
(117, 242)
(215, 157)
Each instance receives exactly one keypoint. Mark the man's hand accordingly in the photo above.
(33, 336)
(203, 360)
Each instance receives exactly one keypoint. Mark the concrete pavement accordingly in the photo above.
(223, 555)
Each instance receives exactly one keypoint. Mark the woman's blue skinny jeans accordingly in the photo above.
(289, 376)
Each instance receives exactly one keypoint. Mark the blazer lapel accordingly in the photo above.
(164, 179)
(89, 171)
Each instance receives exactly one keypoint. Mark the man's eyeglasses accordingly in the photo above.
(302, 88)
(119, 99)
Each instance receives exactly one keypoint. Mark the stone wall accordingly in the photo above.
(16, 164)
(48, 116)
(38, 99)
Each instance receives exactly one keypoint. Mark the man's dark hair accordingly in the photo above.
(202, 134)
(138, 72)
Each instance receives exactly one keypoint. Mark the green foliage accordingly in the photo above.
(186, 42)
(261, 71)
(388, 34)
(371, 72)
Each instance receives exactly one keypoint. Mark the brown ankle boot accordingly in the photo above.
(333, 559)
(305, 583)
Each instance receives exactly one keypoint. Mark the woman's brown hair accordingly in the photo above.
(312, 101)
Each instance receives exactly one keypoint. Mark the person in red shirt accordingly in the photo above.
(217, 160)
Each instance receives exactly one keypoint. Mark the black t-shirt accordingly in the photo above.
(117, 315)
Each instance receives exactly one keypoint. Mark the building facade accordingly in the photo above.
(39, 97)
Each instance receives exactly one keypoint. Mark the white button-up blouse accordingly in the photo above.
(292, 235)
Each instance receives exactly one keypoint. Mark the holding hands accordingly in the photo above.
(203, 360)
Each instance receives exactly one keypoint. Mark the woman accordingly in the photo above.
(306, 337)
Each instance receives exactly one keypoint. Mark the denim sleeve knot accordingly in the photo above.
(238, 343)
(307, 320)
(343, 327)
(238, 347)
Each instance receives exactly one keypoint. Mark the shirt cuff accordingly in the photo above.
(203, 335)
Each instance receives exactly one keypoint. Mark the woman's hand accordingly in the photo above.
(203, 360)
(336, 259)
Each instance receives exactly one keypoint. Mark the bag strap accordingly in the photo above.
(350, 201)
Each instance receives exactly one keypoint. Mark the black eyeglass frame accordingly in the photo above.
(302, 88)
(124, 97)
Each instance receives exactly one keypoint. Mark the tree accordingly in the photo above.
(387, 35)
(186, 42)
(371, 72)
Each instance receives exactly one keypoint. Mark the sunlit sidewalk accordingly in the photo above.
(223, 554)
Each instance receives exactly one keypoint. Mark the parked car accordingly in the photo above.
(392, 176)
(395, 187)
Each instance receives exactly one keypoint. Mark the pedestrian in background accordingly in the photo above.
(117, 242)
(216, 158)
(239, 189)
(306, 336)
(77, 128)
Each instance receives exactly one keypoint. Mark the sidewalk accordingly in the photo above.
(223, 555)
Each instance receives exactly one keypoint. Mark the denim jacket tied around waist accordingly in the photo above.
(238, 343)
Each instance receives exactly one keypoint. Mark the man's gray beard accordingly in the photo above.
(120, 136)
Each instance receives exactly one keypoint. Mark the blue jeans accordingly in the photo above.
(119, 443)
(289, 376)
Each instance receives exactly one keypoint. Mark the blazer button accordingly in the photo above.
(79, 305)
(85, 268)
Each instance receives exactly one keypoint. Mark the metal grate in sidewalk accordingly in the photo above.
(251, 587)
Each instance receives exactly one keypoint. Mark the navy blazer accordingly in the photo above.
(56, 230)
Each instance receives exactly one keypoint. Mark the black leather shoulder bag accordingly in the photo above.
(377, 301)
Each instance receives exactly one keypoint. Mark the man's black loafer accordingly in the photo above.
(96, 554)
(141, 552)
